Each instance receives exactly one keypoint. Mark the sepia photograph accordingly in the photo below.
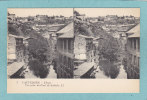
(73, 43)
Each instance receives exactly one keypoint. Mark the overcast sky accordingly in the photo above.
(67, 12)
(94, 12)
(24, 12)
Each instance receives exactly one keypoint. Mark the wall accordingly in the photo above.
(133, 57)
(80, 48)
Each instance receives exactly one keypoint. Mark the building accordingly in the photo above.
(74, 52)
(41, 18)
(133, 50)
(22, 19)
(79, 16)
(93, 20)
(116, 35)
(129, 17)
(65, 49)
(15, 48)
(11, 18)
(59, 17)
(15, 55)
(111, 18)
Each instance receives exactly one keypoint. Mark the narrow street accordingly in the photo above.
(52, 74)
(122, 73)
(100, 74)
(29, 74)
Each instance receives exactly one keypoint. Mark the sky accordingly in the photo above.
(67, 12)
(94, 12)
(25, 12)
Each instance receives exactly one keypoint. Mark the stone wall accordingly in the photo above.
(80, 47)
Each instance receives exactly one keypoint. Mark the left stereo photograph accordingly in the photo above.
(73, 43)
(32, 41)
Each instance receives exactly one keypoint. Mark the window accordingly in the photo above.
(138, 61)
(139, 44)
(134, 62)
(69, 46)
(134, 44)
(65, 45)
(131, 43)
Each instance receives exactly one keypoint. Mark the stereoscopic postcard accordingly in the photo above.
(73, 50)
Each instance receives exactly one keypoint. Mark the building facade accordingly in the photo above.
(133, 50)
(65, 55)
(15, 48)
(73, 53)
(11, 18)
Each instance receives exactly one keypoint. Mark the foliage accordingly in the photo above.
(13, 29)
(82, 29)
(38, 68)
(109, 68)
(109, 48)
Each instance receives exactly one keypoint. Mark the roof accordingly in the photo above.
(87, 37)
(134, 32)
(97, 38)
(81, 15)
(52, 30)
(83, 68)
(69, 34)
(14, 67)
(67, 31)
(66, 28)
(55, 28)
(15, 36)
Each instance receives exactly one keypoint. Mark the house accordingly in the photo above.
(59, 17)
(11, 54)
(15, 55)
(65, 53)
(79, 16)
(116, 35)
(111, 18)
(15, 48)
(129, 17)
(22, 19)
(73, 51)
(133, 50)
(11, 18)
(41, 18)
(93, 20)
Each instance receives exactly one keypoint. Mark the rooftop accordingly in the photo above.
(83, 68)
(134, 32)
(15, 36)
(68, 34)
(67, 31)
(87, 37)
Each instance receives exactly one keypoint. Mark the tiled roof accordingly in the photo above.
(83, 68)
(87, 37)
(67, 31)
(69, 34)
(134, 32)
(15, 36)
(66, 28)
